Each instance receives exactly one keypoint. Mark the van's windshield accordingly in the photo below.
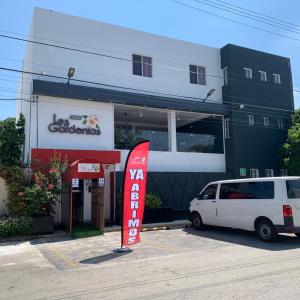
(293, 189)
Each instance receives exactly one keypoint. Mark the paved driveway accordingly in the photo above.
(168, 264)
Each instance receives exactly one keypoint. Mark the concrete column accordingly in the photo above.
(172, 131)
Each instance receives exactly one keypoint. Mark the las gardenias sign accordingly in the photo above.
(86, 124)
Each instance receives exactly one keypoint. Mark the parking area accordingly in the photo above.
(64, 253)
(216, 263)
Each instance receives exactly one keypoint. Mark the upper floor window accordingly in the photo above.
(280, 123)
(269, 172)
(141, 65)
(266, 122)
(225, 76)
(197, 75)
(283, 172)
(277, 78)
(248, 73)
(254, 173)
(251, 120)
(226, 128)
(263, 75)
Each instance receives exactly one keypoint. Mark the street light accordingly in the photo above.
(70, 74)
(209, 94)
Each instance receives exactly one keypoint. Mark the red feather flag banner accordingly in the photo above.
(134, 190)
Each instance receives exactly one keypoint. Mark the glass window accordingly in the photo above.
(283, 172)
(226, 126)
(141, 65)
(247, 190)
(134, 124)
(280, 123)
(197, 75)
(225, 76)
(251, 120)
(293, 189)
(209, 193)
(263, 75)
(277, 78)
(269, 172)
(254, 173)
(199, 133)
(248, 73)
(266, 122)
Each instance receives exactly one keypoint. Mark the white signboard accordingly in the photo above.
(75, 183)
(88, 168)
(101, 181)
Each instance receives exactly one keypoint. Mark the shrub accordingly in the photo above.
(152, 201)
(15, 226)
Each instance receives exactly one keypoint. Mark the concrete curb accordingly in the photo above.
(155, 226)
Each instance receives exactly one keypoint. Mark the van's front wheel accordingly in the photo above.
(266, 231)
(197, 221)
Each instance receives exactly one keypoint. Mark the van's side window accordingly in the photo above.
(209, 193)
(247, 190)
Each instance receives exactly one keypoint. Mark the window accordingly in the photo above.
(134, 124)
(251, 120)
(247, 190)
(269, 172)
(266, 122)
(225, 76)
(199, 133)
(283, 172)
(293, 189)
(141, 65)
(263, 75)
(277, 78)
(226, 126)
(197, 75)
(280, 123)
(254, 173)
(209, 193)
(248, 73)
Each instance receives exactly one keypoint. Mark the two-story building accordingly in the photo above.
(96, 89)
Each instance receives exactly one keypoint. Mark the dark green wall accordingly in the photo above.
(256, 146)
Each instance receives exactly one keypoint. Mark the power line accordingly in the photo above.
(246, 15)
(234, 21)
(258, 13)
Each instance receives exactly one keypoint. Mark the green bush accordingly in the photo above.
(152, 201)
(15, 226)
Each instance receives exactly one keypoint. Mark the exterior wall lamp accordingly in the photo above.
(209, 94)
(70, 74)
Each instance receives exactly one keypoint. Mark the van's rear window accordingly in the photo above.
(247, 190)
(293, 189)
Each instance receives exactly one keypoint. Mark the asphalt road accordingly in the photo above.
(170, 264)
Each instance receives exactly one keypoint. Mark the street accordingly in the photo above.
(170, 264)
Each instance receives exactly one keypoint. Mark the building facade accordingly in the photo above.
(191, 101)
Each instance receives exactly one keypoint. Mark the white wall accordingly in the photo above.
(171, 58)
(181, 162)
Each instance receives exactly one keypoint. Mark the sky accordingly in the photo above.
(163, 17)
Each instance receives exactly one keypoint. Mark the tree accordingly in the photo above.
(12, 136)
(290, 151)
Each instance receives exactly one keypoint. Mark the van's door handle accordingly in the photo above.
(214, 201)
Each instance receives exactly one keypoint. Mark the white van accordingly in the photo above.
(266, 205)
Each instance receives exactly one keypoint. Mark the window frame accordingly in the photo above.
(263, 75)
(277, 78)
(256, 171)
(201, 193)
(250, 73)
(266, 121)
(142, 63)
(251, 120)
(283, 172)
(197, 74)
(271, 172)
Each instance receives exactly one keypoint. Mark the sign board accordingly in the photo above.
(88, 168)
(243, 172)
(75, 183)
(101, 182)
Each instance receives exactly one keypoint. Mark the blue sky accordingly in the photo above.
(162, 17)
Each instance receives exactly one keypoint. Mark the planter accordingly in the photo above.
(158, 215)
(42, 225)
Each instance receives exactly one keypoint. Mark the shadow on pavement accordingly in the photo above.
(245, 238)
(102, 258)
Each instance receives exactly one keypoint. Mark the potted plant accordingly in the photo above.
(154, 213)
